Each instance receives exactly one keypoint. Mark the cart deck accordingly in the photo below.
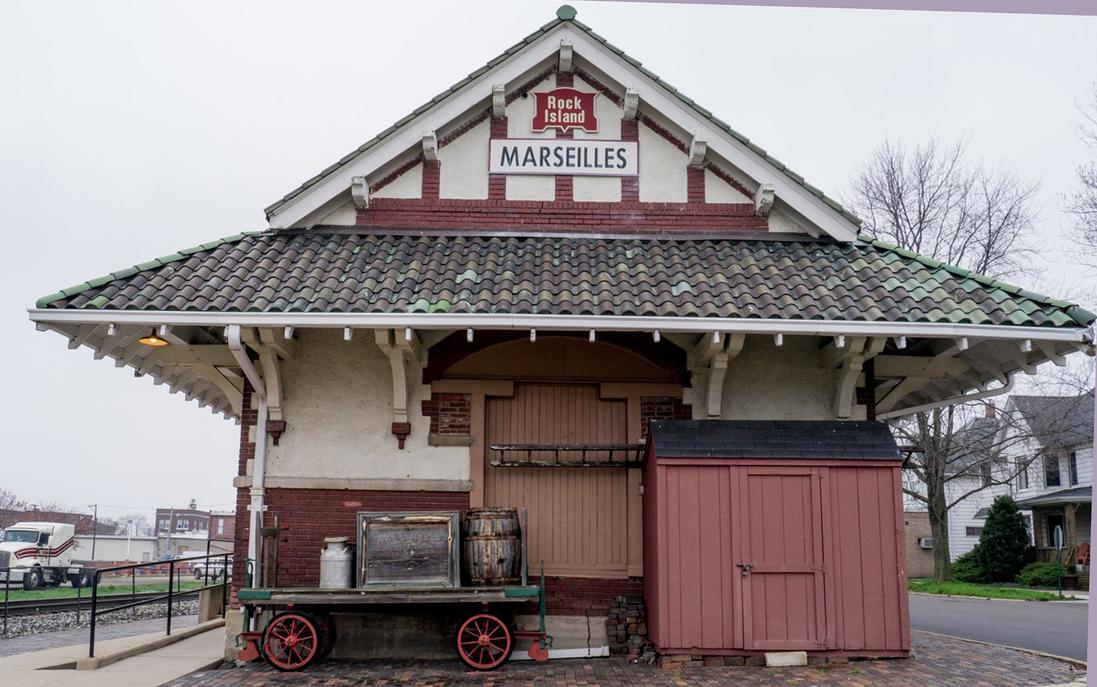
(388, 595)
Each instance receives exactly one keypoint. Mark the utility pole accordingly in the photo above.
(94, 526)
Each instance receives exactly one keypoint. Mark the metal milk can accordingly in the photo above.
(336, 564)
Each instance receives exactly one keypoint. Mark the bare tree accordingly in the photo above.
(930, 199)
(122, 523)
(1083, 202)
(10, 502)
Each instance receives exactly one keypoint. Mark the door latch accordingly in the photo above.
(746, 568)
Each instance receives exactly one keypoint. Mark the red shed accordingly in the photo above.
(774, 536)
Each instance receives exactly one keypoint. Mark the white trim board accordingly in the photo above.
(562, 322)
(588, 652)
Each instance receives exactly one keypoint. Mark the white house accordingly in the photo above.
(1038, 450)
(1053, 461)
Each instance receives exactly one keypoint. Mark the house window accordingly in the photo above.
(985, 473)
(1022, 473)
(1073, 465)
(1051, 472)
(974, 531)
(1052, 521)
(220, 525)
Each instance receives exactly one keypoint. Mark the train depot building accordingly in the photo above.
(565, 287)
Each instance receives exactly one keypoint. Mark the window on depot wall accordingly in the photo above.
(1051, 472)
(1072, 464)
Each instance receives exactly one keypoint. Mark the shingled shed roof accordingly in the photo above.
(387, 271)
(773, 439)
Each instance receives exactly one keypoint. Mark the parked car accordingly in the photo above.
(213, 569)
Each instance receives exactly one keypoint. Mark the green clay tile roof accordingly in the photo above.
(374, 270)
(566, 14)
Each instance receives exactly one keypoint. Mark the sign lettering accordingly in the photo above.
(565, 157)
(563, 109)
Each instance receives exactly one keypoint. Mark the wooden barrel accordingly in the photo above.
(493, 546)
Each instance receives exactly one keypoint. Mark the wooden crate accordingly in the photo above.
(414, 549)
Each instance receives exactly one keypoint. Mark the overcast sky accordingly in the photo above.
(131, 130)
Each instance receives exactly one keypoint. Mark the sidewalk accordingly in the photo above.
(152, 669)
(937, 661)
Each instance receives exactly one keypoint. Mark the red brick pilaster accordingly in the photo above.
(695, 184)
(431, 173)
(497, 183)
(630, 186)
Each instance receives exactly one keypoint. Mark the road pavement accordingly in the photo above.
(1055, 627)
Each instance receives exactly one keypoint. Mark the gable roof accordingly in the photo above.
(973, 445)
(377, 270)
(1058, 421)
(777, 439)
(565, 18)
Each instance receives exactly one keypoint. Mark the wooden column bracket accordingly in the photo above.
(498, 100)
(271, 348)
(856, 351)
(716, 350)
(399, 347)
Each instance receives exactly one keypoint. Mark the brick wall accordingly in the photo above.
(306, 516)
(560, 215)
(662, 408)
(587, 595)
(450, 414)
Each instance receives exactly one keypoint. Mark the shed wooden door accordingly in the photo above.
(784, 605)
(578, 517)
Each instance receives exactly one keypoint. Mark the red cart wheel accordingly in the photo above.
(291, 641)
(326, 625)
(484, 642)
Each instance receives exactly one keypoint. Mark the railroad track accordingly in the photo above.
(36, 606)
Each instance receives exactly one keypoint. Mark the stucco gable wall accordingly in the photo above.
(338, 407)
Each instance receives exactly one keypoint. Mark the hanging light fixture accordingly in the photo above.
(153, 340)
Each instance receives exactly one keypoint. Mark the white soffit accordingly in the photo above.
(296, 210)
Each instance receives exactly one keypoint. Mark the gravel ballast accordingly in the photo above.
(54, 622)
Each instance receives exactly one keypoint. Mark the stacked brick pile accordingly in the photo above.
(627, 626)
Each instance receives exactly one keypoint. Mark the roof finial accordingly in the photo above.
(566, 13)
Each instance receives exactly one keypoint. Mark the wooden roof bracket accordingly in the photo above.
(262, 342)
(359, 191)
(716, 350)
(567, 55)
(400, 347)
(859, 349)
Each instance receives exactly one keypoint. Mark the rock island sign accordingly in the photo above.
(564, 109)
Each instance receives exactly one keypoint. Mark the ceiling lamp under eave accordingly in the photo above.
(153, 340)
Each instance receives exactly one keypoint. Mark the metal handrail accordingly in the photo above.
(170, 597)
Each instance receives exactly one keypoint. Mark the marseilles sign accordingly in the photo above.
(564, 156)
(563, 109)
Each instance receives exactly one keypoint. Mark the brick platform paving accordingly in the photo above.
(937, 661)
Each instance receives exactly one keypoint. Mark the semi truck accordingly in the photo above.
(39, 554)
